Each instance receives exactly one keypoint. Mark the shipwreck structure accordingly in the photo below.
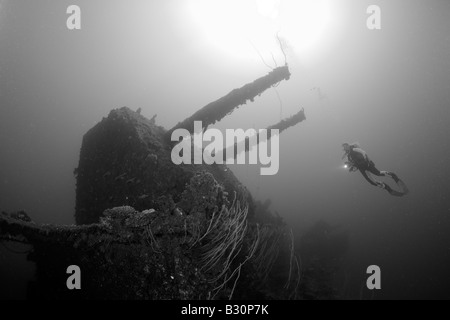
(179, 231)
(126, 158)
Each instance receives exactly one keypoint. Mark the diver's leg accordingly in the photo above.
(369, 179)
(393, 192)
(372, 169)
(390, 174)
(388, 188)
(393, 176)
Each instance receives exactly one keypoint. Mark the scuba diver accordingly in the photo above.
(357, 159)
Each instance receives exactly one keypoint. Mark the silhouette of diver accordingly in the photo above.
(358, 160)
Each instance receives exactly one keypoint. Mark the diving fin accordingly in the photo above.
(404, 189)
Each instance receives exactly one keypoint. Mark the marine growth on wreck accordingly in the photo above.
(150, 229)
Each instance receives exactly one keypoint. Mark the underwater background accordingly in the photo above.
(386, 89)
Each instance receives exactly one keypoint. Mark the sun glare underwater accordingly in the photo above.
(238, 28)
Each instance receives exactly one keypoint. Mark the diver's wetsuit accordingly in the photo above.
(365, 165)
